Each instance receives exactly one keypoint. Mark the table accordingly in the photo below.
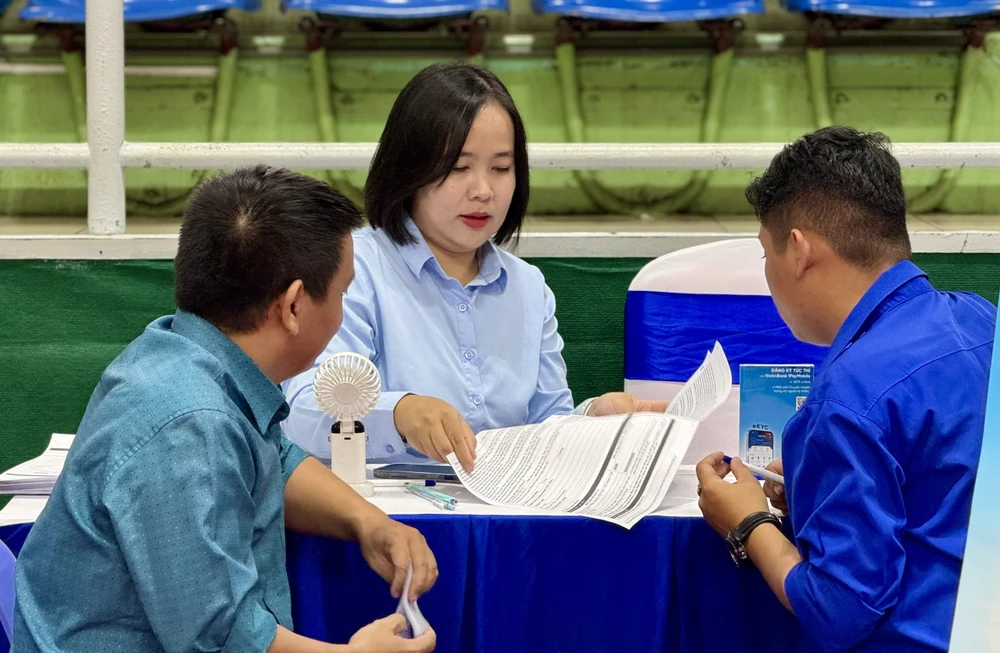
(515, 582)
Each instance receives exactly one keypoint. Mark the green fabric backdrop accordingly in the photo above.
(62, 322)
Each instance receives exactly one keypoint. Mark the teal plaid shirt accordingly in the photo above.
(165, 531)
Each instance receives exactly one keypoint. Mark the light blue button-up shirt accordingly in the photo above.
(491, 349)
(165, 530)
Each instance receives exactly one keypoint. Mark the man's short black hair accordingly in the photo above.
(423, 138)
(248, 234)
(843, 184)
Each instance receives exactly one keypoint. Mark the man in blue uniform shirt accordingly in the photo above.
(880, 460)
(166, 528)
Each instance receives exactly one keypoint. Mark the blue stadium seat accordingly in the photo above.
(649, 11)
(3, 6)
(404, 9)
(897, 8)
(136, 11)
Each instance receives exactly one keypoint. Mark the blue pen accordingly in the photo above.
(434, 493)
(760, 472)
(420, 492)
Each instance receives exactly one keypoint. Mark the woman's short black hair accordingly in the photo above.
(248, 234)
(423, 138)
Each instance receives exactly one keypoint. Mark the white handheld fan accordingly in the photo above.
(346, 387)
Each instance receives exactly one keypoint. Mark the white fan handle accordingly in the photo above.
(347, 456)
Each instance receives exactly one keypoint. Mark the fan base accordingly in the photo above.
(365, 489)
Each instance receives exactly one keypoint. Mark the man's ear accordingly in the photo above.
(803, 250)
(289, 307)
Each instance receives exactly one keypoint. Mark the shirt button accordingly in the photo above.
(463, 308)
(476, 399)
(469, 355)
(390, 449)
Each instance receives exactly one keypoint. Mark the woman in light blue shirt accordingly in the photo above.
(463, 334)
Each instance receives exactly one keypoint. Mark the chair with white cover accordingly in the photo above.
(680, 304)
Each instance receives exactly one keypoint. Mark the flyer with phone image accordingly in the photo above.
(769, 396)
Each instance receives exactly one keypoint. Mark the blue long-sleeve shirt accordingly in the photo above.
(880, 463)
(165, 530)
(491, 349)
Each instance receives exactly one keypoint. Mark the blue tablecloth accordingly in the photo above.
(548, 584)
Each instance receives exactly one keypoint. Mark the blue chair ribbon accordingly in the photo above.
(668, 334)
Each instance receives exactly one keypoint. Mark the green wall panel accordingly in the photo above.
(62, 322)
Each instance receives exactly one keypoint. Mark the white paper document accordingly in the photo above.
(23, 510)
(416, 624)
(616, 469)
(707, 388)
(38, 475)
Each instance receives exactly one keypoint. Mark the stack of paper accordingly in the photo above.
(23, 510)
(38, 475)
(616, 469)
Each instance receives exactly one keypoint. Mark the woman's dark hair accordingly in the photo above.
(423, 138)
(248, 234)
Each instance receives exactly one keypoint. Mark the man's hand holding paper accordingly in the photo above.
(391, 548)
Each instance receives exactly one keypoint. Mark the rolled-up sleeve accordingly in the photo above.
(848, 512)
(291, 456)
(182, 510)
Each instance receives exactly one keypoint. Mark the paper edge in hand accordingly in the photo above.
(416, 624)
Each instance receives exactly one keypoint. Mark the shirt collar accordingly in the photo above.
(266, 401)
(883, 295)
(417, 255)
(491, 267)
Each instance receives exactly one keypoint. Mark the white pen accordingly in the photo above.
(771, 476)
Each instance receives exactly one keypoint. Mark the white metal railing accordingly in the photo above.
(573, 156)
(106, 152)
(595, 243)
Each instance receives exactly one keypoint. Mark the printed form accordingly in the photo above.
(616, 469)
